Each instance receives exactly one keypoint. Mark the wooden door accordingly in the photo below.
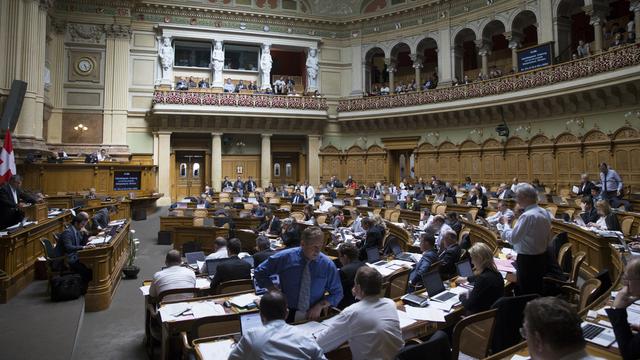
(284, 169)
(190, 174)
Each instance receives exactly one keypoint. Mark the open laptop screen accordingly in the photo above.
(433, 283)
(194, 257)
(464, 268)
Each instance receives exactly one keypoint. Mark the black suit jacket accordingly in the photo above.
(276, 226)
(226, 184)
(261, 256)
(232, 269)
(449, 257)
(585, 189)
(612, 222)
(628, 343)
(238, 185)
(590, 217)
(347, 277)
(250, 186)
(488, 287)
(291, 237)
(69, 242)
(508, 194)
(297, 199)
(373, 238)
(10, 213)
(101, 218)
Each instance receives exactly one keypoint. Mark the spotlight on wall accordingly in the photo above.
(81, 128)
(503, 129)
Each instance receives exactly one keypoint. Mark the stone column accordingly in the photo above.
(483, 51)
(366, 68)
(417, 65)
(563, 42)
(265, 161)
(391, 69)
(156, 142)
(635, 7)
(216, 161)
(596, 22)
(357, 71)
(164, 167)
(514, 45)
(56, 91)
(116, 94)
(313, 161)
(546, 23)
(445, 65)
(26, 44)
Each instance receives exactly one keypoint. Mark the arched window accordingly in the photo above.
(196, 170)
(276, 169)
(287, 170)
(183, 170)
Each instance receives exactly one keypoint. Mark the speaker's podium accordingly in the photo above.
(37, 211)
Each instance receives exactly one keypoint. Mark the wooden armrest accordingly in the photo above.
(413, 341)
(570, 289)
(185, 341)
(557, 282)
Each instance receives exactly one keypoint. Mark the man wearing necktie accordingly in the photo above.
(72, 240)
(305, 275)
(250, 185)
(612, 187)
(297, 198)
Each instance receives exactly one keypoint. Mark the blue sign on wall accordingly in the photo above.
(126, 180)
(535, 57)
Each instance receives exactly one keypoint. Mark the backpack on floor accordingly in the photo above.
(66, 287)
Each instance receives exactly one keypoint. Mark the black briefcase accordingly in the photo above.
(66, 287)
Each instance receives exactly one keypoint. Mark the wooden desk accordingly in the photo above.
(19, 251)
(203, 235)
(522, 350)
(107, 263)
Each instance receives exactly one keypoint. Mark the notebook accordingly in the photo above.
(435, 287)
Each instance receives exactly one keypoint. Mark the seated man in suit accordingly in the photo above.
(263, 248)
(70, 241)
(628, 342)
(370, 326)
(504, 192)
(270, 224)
(250, 185)
(585, 185)
(297, 198)
(173, 276)
(373, 237)
(276, 339)
(102, 217)
(429, 256)
(12, 200)
(553, 331)
(589, 212)
(450, 254)
(238, 185)
(503, 211)
(348, 256)
(234, 268)
(290, 234)
(226, 183)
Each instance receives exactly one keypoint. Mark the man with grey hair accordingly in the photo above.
(12, 200)
(529, 238)
(585, 185)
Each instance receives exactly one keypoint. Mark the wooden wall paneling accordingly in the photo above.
(356, 160)
(626, 153)
(377, 161)
(250, 166)
(569, 160)
(542, 160)
(172, 175)
(141, 159)
(329, 162)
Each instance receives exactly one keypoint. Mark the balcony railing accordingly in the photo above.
(239, 100)
(607, 61)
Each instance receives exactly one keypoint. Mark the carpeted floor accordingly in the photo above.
(34, 327)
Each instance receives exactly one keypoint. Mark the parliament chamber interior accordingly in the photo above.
(333, 179)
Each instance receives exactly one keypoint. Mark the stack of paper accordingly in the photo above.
(405, 319)
(243, 300)
(202, 309)
(203, 283)
(219, 349)
(311, 327)
(428, 313)
(504, 265)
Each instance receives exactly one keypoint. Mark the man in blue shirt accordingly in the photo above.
(612, 187)
(305, 275)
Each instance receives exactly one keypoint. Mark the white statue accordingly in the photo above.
(218, 65)
(312, 70)
(265, 67)
(165, 52)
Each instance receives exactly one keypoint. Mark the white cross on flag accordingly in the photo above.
(7, 159)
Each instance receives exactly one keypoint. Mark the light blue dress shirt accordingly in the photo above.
(532, 232)
(612, 181)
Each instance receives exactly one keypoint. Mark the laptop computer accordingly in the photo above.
(399, 254)
(249, 321)
(338, 202)
(464, 268)
(373, 255)
(275, 279)
(435, 287)
(237, 199)
(212, 266)
(252, 200)
(193, 257)
(597, 334)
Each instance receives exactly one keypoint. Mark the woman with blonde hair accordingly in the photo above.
(607, 220)
(488, 284)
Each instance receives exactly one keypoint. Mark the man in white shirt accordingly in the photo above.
(325, 205)
(173, 276)
(228, 86)
(438, 226)
(309, 192)
(276, 339)
(371, 325)
(356, 227)
(503, 211)
(220, 245)
(529, 238)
